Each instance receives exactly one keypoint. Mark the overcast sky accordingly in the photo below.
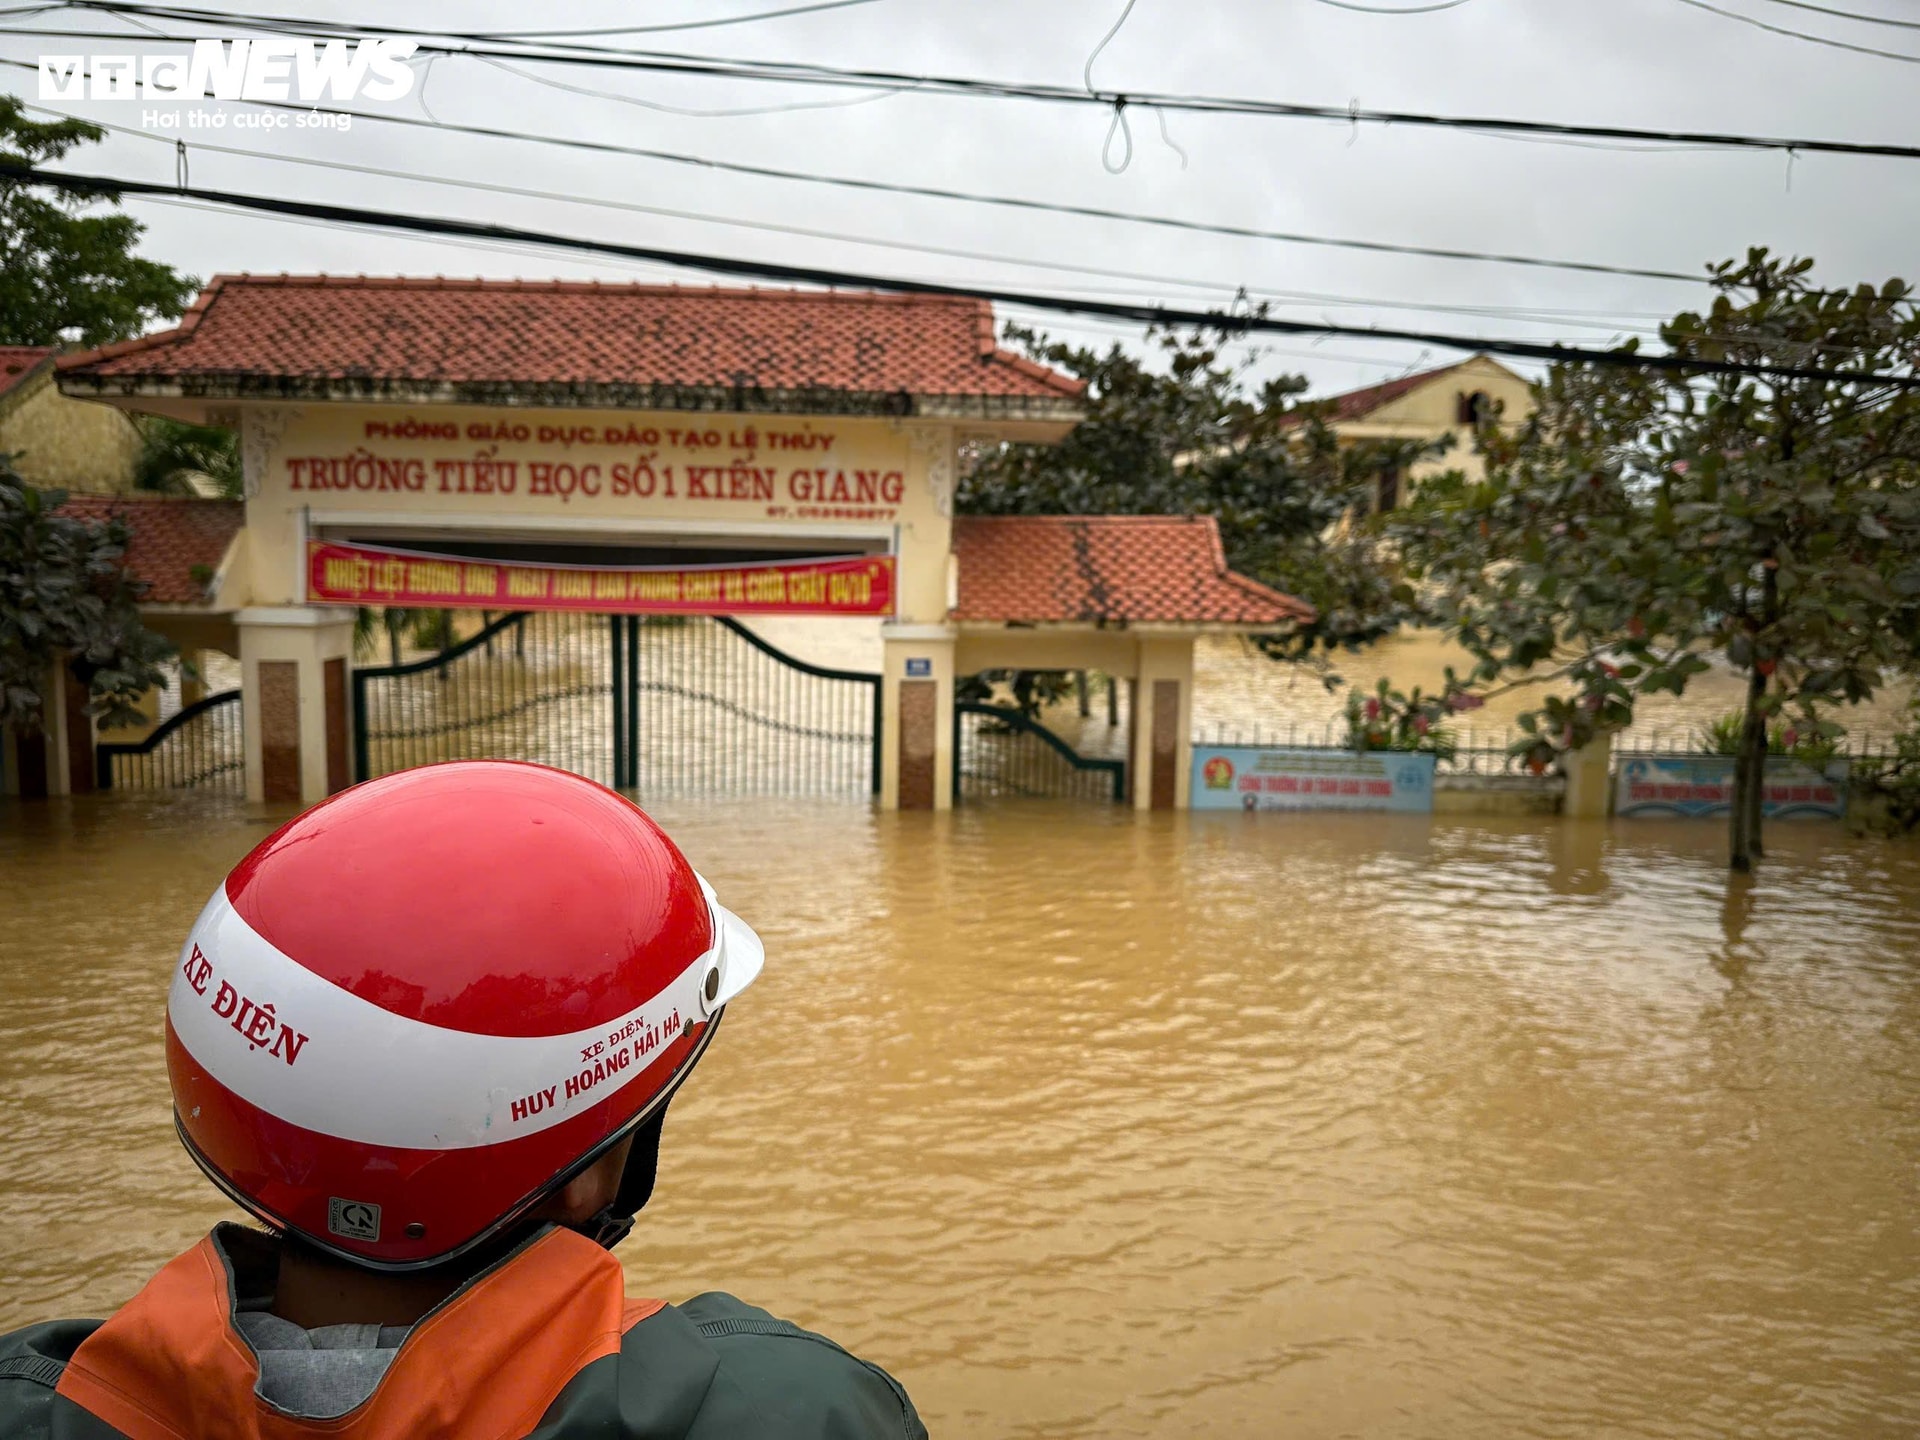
(1654, 63)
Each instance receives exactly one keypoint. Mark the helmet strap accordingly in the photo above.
(614, 1222)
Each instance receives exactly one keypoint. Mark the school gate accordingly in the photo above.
(656, 704)
(610, 484)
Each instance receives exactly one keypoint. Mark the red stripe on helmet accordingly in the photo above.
(299, 1179)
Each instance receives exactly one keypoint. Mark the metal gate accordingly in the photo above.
(199, 747)
(656, 704)
(999, 751)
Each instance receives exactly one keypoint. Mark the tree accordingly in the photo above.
(369, 622)
(1195, 439)
(172, 452)
(67, 275)
(1643, 522)
(64, 590)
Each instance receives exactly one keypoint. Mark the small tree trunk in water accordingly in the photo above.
(1749, 774)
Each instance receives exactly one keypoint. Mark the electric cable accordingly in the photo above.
(797, 73)
(1849, 14)
(1543, 316)
(1760, 24)
(1169, 222)
(1394, 9)
(761, 270)
(677, 25)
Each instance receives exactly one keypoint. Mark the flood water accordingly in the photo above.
(1089, 1125)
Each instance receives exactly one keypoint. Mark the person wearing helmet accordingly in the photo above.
(427, 1033)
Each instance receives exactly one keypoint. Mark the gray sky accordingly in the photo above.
(1655, 63)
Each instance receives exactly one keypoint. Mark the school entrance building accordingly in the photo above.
(635, 482)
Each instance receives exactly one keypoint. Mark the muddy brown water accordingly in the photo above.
(1235, 1125)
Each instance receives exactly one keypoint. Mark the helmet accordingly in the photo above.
(420, 1007)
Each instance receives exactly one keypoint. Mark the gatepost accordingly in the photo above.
(294, 663)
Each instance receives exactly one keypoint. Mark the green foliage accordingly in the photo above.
(1191, 439)
(431, 629)
(1030, 691)
(1726, 734)
(64, 590)
(173, 451)
(1890, 784)
(1391, 720)
(65, 274)
(1642, 522)
(368, 623)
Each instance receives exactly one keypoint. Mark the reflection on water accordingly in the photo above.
(1238, 1125)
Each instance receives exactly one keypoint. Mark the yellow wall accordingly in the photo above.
(72, 444)
(818, 485)
(1432, 410)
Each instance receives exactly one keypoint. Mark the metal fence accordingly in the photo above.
(997, 751)
(200, 746)
(1488, 750)
(525, 687)
(657, 704)
(706, 705)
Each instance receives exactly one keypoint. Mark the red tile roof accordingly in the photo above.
(17, 362)
(170, 538)
(1358, 404)
(579, 343)
(1113, 569)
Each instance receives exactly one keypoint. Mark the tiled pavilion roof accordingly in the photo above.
(1107, 569)
(170, 539)
(582, 343)
(17, 362)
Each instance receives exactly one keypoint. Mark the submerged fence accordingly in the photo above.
(663, 704)
(200, 747)
(997, 751)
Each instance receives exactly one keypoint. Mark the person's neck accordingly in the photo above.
(313, 1290)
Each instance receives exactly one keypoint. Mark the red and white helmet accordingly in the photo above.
(420, 1007)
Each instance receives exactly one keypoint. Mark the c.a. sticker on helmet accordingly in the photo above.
(353, 1219)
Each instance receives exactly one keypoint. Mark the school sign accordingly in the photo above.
(1260, 778)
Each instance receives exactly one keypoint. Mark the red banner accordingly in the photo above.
(406, 579)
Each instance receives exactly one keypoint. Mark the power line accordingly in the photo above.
(1760, 24)
(1394, 9)
(677, 25)
(931, 192)
(732, 112)
(1102, 326)
(1526, 314)
(1849, 15)
(780, 272)
(797, 73)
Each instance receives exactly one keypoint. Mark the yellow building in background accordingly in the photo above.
(1450, 402)
(56, 441)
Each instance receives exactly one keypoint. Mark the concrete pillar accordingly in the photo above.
(916, 746)
(1589, 772)
(77, 731)
(1162, 724)
(58, 758)
(294, 702)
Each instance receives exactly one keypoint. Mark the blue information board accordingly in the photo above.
(1246, 777)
